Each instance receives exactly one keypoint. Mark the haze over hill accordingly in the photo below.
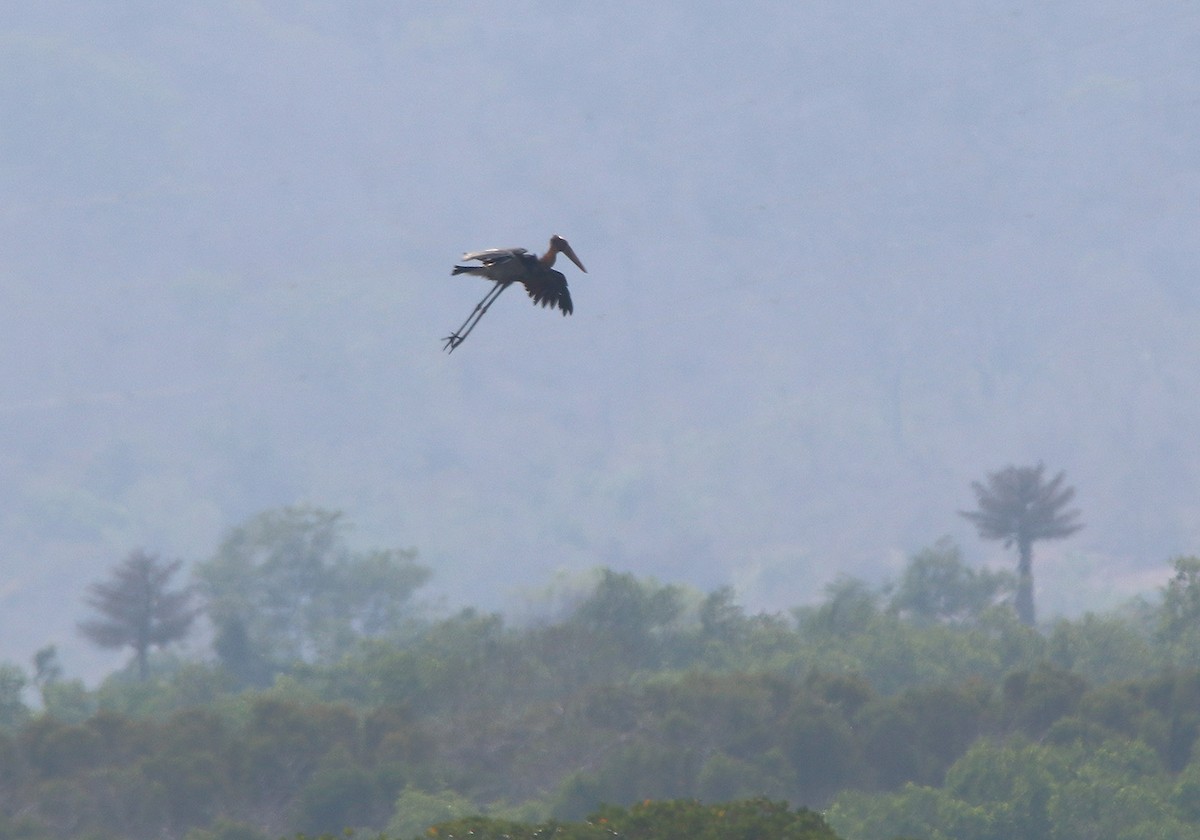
(842, 261)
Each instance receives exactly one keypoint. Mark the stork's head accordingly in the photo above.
(560, 245)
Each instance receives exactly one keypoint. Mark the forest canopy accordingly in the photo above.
(345, 701)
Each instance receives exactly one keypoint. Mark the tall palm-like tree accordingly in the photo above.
(1019, 506)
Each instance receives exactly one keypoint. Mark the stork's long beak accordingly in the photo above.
(566, 248)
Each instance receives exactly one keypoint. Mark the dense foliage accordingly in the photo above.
(672, 820)
(927, 699)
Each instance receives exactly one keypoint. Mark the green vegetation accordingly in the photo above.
(674, 820)
(283, 588)
(923, 708)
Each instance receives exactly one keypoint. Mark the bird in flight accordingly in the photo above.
(505, 266)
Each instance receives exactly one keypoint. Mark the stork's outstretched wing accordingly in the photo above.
(491, 255)
(502, 264)
(548, 287)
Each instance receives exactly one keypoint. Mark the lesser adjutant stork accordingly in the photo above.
(505, 266)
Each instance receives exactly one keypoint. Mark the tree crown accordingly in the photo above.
(1017, 504)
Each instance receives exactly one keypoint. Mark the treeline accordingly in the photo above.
(750, 819)
(996, 757)
(326, 705)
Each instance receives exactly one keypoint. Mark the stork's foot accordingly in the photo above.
(452, 341)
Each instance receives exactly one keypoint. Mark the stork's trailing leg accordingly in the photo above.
(460, 335)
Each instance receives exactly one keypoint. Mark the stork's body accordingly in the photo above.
(505, 266)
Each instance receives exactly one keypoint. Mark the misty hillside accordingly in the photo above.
(841, 262)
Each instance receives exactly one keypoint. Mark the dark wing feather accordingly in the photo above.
(548, 287)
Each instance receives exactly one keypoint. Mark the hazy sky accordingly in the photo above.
(841, 262)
